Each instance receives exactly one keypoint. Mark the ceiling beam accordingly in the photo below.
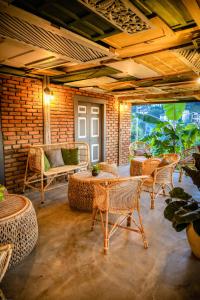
(163, 95)
(194, 10)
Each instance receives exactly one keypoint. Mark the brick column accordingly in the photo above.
(124, 132)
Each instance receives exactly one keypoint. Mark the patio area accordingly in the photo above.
(68, 262)
(102, 99)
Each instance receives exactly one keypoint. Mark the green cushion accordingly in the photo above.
(46, 163)
(70, 156)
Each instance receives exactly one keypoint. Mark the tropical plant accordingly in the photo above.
(172, 135)
(181, 208)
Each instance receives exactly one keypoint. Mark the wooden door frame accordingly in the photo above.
(79, 98)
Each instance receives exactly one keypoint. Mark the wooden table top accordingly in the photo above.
(87, 176)
(12, 206)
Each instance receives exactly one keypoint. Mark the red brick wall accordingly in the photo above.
(22, 123)
(125, 133)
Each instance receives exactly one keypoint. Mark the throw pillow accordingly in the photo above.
(47, 165)
(70, 156)
(139, 152)
(55, 157)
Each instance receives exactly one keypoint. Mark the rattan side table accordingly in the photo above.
(81, 189)
(18, 226)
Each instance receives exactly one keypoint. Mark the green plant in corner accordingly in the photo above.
(184, 212)
(2, 192)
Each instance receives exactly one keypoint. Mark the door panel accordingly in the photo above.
(89, 128)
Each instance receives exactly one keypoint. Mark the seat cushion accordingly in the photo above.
(55, 157)
(70, 156)
(47, 165)
(165, 162)
(141, 152)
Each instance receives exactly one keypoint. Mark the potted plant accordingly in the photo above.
(95, 170)
(184, 212)
(2, 192)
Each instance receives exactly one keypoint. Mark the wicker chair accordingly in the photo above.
(174, 157)
(118, 197)
(138, 145)
(187, 160)
(5, 256)
(149, 165)
(161, 178)
(110, 168)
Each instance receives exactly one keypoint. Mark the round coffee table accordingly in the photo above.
(18, 226)
(81, 189)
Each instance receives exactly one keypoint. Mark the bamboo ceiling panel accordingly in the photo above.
(164, 62)
(162, 43)
(121, 40)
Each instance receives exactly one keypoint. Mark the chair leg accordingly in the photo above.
(180, 175)
(106, 239)
(152, 195)
(142, 231)
(94, 212)
(42, 189)
(129, 220)
(163, 188)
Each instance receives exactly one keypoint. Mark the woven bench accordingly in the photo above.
(35, 175)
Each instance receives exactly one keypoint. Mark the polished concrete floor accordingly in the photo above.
(68, 262)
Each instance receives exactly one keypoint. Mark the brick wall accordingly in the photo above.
(22, 123)
(125, 133)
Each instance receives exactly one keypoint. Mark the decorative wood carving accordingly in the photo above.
(191, 57)
(120, 13)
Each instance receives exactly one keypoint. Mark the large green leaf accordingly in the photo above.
(148, 118)
(183, 216)
(172, 208)
(174, 111)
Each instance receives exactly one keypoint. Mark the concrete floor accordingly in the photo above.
(68, 262)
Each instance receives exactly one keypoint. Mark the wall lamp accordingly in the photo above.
(48, 95)
(123, 106)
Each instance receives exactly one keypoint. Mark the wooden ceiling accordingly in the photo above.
(141, 51)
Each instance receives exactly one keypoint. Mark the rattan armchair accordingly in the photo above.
(187, 160)
(161, 178)
(138, 145)
(119, 197)
(110, 168)
(5, 256)
(174, 157)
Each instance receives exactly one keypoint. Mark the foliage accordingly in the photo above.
(174, 111)
(168, 137)
(181, 212)
(95, 168)
(165, 136)
(2, 191)
(181, 208)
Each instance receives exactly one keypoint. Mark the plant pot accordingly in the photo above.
(95, 173)
(194, 240)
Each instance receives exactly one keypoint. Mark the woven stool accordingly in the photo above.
(18, 226)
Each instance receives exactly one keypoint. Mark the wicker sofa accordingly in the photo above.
(35, 175)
